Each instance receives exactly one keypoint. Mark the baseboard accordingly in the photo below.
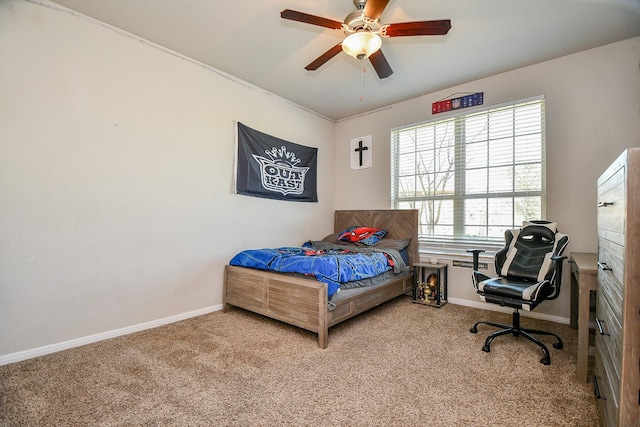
(494, 307)
(77, 342)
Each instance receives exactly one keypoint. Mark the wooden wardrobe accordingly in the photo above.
(617, 367)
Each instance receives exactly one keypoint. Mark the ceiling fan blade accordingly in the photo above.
(374, 8)
(324, 57)
(310, 19)
(380, 64)
(418, 28)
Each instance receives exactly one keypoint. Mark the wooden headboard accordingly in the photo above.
(399, 224)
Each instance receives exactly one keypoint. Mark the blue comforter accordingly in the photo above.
(331, 265)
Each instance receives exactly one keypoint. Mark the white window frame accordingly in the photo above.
(457, 195)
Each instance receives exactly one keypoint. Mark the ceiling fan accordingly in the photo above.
(363, 30)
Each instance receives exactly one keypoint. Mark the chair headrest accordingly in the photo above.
(537, 231)
(553, 226)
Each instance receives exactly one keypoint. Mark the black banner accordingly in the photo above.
(273, 168)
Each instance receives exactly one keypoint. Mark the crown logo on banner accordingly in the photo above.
(280, 172)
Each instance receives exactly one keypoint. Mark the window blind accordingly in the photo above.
(472, 175)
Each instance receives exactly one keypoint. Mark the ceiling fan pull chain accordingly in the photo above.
(362, 71)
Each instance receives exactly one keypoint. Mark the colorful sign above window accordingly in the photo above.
(457, 103)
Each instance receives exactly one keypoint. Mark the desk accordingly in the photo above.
(584, 279)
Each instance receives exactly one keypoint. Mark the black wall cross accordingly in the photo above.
(361, 149)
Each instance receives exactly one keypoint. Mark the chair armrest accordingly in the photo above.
(558, 275)
(476, 257)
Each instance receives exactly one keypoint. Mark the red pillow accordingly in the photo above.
(356, 234)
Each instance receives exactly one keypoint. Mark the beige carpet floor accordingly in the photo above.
(400, 364)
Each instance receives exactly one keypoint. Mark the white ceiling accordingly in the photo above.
(249, 40)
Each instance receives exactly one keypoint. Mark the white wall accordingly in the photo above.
(116, 168)
(592, 115)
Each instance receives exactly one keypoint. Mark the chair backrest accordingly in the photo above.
(528, 251)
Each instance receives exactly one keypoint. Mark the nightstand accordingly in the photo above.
(430, 284)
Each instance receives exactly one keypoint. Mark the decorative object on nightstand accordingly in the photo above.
(430, 285)
(616, 381)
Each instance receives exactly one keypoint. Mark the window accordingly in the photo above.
(472, 175)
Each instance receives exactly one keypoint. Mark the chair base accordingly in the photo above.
(516, 330)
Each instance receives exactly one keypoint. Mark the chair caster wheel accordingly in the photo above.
(486, 348)
(558, 345)
(545, 361)
(473, 330)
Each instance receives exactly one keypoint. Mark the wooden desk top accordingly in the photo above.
(585, 262)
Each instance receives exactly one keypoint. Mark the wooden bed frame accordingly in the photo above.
(303, 301)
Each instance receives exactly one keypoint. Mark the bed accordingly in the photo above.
(304, 301)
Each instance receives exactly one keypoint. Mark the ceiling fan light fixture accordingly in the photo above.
(362, 44)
